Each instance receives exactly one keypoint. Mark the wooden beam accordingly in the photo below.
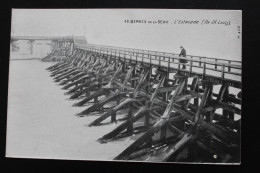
(166, 89)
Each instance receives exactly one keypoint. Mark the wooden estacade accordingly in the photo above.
(173, 119)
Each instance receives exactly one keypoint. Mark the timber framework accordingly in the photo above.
(175, 120)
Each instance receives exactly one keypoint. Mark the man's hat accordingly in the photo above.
(181, 46)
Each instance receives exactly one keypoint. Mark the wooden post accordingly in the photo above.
(204, 69)
(183, 105)
(203, 102)
(142, 58)
(96, 98)
(223, 71)
(224, 99)
(194, 87)
(113, 117)
(71, 46)
(210, 115)
(146, 117)
(168, 65)
(165, 84)
(229, 68)
(130, 127)
(191, 63)
(196, 100)
(133, 75)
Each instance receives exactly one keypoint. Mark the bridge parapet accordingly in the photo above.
(60, 43)
(52, 38)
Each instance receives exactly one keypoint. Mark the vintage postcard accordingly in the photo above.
(136, 85)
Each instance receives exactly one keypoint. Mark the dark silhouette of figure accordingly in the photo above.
(183, 54)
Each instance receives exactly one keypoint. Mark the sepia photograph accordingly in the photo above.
(125, 85)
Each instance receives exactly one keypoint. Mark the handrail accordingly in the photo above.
(165, 56)
(149, 52)
(165, 59)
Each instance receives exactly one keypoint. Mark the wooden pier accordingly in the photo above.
(175, 120)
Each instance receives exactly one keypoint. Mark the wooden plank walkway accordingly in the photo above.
(216, 70)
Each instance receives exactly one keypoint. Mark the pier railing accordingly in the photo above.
(221, 68)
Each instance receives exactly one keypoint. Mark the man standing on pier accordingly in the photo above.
(183, 54)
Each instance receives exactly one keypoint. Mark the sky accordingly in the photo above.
(108, 27)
